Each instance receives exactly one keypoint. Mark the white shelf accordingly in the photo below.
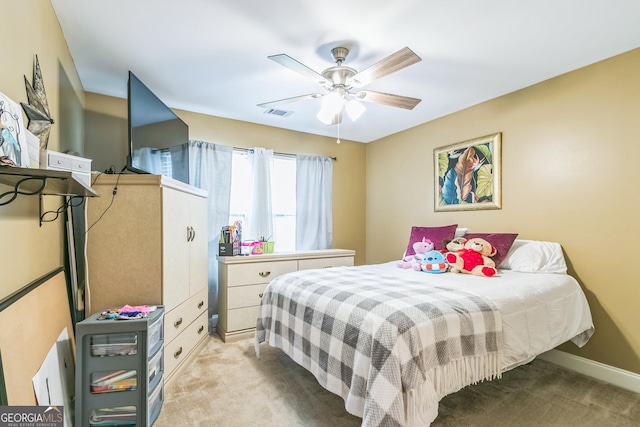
(33, 181)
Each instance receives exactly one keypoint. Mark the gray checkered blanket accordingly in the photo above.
(391, 347)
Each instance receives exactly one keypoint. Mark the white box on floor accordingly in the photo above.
(78, 166)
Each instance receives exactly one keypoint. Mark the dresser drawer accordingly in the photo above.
(308, 264)
(258, 272)
(178, 349)
(245, 296)
(181, 316)
(242, 318)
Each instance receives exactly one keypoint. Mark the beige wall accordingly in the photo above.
(28, 251)
(570, 150)
(106, 134)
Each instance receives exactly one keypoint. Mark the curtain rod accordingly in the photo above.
(275, 152)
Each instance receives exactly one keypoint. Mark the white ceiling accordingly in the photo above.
(210, 56)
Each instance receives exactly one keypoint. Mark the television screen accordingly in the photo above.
(157, 137)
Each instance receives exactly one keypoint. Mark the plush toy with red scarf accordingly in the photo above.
(473, 258)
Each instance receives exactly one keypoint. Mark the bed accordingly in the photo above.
(393, 342)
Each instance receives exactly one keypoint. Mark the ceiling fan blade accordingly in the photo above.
(288, 100)
(399, 101)
(299, 68)
(392, 63)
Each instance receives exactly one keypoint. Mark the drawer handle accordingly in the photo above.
(200, 329)
(177, 322)
(191, 233)
(200, 305)
(177, 353)
(264, 273)
(260, 294)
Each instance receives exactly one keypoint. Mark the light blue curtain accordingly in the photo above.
(210, 169)
(179, 160)
(314, 222)
(148, 159)
(261, 217)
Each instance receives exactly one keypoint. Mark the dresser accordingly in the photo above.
(148, 246)
(242, 280)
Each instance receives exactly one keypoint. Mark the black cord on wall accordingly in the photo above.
(113, 195)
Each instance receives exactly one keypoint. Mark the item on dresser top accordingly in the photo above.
(79, 167)
(267, 247)
(246, 247)
(127, 312)
(230, 240)
(256, 248)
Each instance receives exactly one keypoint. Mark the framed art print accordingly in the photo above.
(468, 175)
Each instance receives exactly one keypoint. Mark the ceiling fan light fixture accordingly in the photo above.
(332, 104)
(326, 116)
(354, 109)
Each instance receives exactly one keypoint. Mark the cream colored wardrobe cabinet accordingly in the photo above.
(147, 245)
(242, 280)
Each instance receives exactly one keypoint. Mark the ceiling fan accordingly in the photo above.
(342, 84)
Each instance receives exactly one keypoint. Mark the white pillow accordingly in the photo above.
(461, 231)
(531, 256)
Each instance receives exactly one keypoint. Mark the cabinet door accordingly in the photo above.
(176, 256)
(124, 247)
(199, 245)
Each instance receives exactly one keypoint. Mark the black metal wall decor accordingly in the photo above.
(37, 110)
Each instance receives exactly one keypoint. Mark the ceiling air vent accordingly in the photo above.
(276, 112)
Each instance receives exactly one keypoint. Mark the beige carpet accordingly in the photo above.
(227, 386)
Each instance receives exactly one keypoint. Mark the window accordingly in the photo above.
(283, 193)
(165, 161)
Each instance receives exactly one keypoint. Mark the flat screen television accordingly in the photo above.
(158, 138)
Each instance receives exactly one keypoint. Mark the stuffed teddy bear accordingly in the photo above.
(473, 258)
(434, 262)
(453, 245)
(413, 261)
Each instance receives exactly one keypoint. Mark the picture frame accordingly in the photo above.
(13, 143)
(468, 175)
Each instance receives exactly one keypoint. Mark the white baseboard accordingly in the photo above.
(609, 374)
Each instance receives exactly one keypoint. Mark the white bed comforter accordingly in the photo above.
(539, 310)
